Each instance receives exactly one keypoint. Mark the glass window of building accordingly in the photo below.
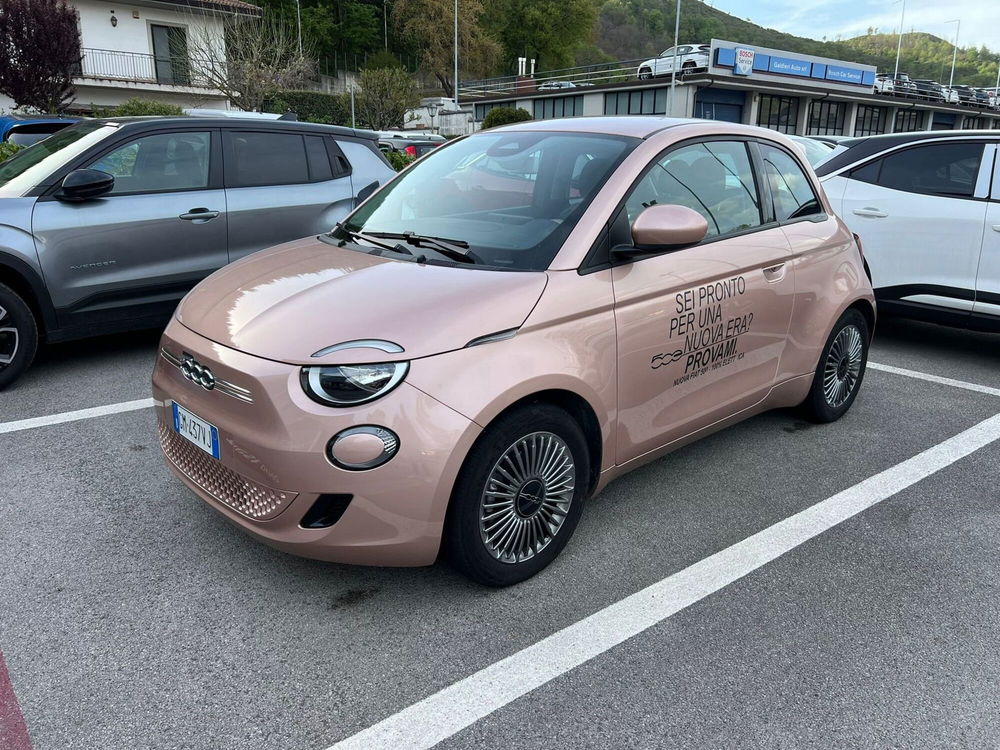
(779, 113)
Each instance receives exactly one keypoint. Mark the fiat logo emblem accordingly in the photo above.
(196, 372)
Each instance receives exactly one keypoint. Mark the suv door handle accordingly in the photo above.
(996, 227)
(869, 211)
(775, 273)
(199, 214)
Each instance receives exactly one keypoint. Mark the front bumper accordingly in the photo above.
(273, 464)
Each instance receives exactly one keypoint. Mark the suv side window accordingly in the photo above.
(158, 163)
(262, 158)
(948, 169)
(791, 190)
(713, 178)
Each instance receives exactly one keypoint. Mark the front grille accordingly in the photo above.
(232, 490)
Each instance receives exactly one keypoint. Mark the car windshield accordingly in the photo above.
(31, 167)
(511, 197)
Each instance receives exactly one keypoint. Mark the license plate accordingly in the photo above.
(196, 430)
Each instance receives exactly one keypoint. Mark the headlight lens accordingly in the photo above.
(349, 385)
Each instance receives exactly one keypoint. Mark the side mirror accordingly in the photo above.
(81, 184)
(664, 228)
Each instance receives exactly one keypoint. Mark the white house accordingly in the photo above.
(140, 48)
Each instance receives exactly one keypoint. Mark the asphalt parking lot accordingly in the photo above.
(132, 616)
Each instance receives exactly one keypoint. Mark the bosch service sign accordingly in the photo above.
(744, 61)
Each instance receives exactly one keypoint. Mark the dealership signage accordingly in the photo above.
(759, 61)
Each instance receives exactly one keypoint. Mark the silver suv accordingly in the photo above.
(105, 225)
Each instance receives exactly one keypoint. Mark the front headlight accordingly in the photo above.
(349, 385)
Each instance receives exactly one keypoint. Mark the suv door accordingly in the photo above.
(282, 185)
(139, 248)
(920, 213)
(664, 63)
(987, 306)
(700, 330)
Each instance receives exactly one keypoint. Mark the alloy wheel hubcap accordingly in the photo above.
(843, 366)
(527, 497)
(8, 339)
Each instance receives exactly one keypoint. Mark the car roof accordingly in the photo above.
(632, 126)
(9, 121)
(858, 149)
(235, 123)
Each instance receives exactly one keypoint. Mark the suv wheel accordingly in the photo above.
(519, 496)
(645, 74)
(841, 369)
(18, 336)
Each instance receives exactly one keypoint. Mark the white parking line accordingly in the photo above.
(73, 416)
(935, 378)
(449, 711)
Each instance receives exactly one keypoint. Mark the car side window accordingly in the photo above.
(158, 163)
(948, 169)
(713, 178)
(791, 190)
(262, 158)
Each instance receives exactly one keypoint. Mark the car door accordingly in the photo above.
(282, 185)
(987, 305)
(139, 248)
(700, 330)
(666, 61)
(919, 212)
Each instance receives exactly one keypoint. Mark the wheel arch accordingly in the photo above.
(23, 279)
(867, 309)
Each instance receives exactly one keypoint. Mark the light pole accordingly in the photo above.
(455, 87)
(954, 54)
(298, 17)
(385, 22)
(899, 44)
(432, 110)
(673, 66)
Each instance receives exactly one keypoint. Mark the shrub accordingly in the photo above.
(400, 160)
(7, 150)
(136, 107)
(312, 106)
(505, 116)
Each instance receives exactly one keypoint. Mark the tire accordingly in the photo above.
(645, 74)
(18, 336)
(517, 456)
(841, 369)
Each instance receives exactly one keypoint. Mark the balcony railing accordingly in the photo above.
(137, 67)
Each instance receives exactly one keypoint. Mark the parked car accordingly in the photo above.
(926, 207)
(929, 89)
(816, 151)
(689, 57)
(555, 85)
(436, 375)
(108, 223)
(412, 146)
(24, 130)
(900, 85)
(965, 94)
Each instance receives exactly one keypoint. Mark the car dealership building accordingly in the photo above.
(785, 91)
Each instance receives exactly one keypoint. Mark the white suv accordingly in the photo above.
(927, 208)
(689, 57)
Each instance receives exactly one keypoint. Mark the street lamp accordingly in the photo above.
(455, 87)
(673, 67)
(899, 44)
(954, 54)
(298, 16)
(432, 110)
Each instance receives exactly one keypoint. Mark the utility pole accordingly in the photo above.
(899, 44)
(385, 22)
(954, 54)
(455, 87)
(673, 67)
(298, 16)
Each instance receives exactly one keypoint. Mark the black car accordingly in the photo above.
(965, 94)
(929, 89)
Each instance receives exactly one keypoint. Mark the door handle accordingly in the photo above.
(996, 227)
(775, 273)
(872, 212)
(199, 214)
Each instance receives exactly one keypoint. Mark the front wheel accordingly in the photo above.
(840, 370)
(645, 74)
(518, 497)
(18, 336)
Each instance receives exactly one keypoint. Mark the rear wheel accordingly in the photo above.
(645, 74)
(518, 497)
(840, 370)
(18, 336)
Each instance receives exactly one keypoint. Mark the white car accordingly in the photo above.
(927, 208)
(689, 57)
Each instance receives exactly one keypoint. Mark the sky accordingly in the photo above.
(819, 18)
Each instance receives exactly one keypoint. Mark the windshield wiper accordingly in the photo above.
(378, 243)
(454, 249)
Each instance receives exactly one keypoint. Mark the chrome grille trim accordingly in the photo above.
(223, 386)
(248, 498)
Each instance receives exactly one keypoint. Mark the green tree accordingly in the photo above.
(136, 107)
(505, 116)
(428, 26)
(549, 31)
(383, 97)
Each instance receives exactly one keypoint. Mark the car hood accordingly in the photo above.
(294, 300)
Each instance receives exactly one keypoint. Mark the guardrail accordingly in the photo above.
(137, 67)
